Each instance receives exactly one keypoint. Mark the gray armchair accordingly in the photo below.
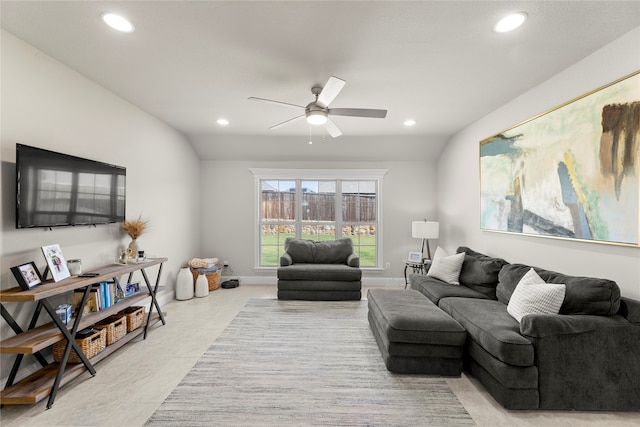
(325, 270)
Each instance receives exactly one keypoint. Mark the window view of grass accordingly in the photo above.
(318, 210)
(273, 247)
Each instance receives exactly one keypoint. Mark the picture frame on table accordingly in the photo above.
(415, 257)
(27, 275)
(56, 262)
(132, 289)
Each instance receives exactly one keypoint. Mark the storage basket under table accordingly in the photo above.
(135, 317)
(92, 344)
(115, 326)
(212, 275)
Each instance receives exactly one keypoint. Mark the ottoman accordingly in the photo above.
(414, 335)
(325, 282)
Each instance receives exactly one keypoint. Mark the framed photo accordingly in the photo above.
(27, 275)
(56, 262)
(569, 173)
(132, 289)
(415, 257)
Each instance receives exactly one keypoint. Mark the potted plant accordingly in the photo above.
(134, 228)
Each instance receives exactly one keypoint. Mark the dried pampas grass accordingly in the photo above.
(136, 227)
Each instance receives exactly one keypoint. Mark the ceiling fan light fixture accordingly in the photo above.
(222, 122)
(409, 122)
(316, 117)
(317, 112)
(510, 22)
(117, 22)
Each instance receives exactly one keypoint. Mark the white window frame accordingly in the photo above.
(260, 174)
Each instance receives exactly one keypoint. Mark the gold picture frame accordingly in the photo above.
(572, 172)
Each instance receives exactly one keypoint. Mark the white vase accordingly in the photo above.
(133, 248)
(202, 286)
(184, 284)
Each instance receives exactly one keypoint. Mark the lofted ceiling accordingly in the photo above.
(189, 63)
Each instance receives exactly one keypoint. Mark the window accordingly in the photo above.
(359, 214)
(277, 218)
(318, 205)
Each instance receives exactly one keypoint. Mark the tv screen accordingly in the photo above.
(55, 189)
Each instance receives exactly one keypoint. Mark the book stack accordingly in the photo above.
(101, 296)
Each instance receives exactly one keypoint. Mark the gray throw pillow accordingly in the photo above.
(584, 295)
(480, 272)
(303, 251)
(300, 250)
(333, 251)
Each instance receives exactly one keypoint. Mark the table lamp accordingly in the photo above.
(425, 230)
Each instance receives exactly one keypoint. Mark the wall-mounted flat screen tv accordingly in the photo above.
(55, 189)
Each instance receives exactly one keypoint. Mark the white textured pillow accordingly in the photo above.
(446, 268)
(534, 296)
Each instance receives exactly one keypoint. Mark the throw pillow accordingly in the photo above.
(480, 272)
(583, 295)
(446, 267)
(534, 296)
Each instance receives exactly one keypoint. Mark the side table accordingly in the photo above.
(416, 267)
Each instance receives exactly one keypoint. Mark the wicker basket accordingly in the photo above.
(90, 346)
(212, 278)
(135, 317)
(115, 326)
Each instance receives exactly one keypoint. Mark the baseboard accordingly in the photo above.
(166, 296)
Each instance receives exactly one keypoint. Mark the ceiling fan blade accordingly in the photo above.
(332, 129)
(358, 112)
(330, 90)
(253, 98)
(286, 121)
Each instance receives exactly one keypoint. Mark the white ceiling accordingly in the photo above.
(438, 62)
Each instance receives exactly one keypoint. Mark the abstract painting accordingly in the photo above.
(572, 172)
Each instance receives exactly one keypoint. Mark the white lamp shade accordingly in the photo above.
(425, 229)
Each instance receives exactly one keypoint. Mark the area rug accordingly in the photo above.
(304, 363)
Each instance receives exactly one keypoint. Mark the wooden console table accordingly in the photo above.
(46, 381)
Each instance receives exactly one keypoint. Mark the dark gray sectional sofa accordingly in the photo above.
(587, 357)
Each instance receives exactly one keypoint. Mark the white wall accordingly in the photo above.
(458, 177)
(48, 105)
(229, 209)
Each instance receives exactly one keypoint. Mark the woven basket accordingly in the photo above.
(115, 326)
(135, 317)
(90, 346)
(212, 278)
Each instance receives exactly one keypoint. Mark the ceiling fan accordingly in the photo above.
(317, 112)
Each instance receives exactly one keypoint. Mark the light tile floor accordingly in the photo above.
(134, 381)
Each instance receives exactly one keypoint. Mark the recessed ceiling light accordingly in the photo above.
(222, 122)
(409, 122)
(117, 22)
(510, 22)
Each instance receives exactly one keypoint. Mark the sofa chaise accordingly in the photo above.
(586, 357)
(319, 270)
